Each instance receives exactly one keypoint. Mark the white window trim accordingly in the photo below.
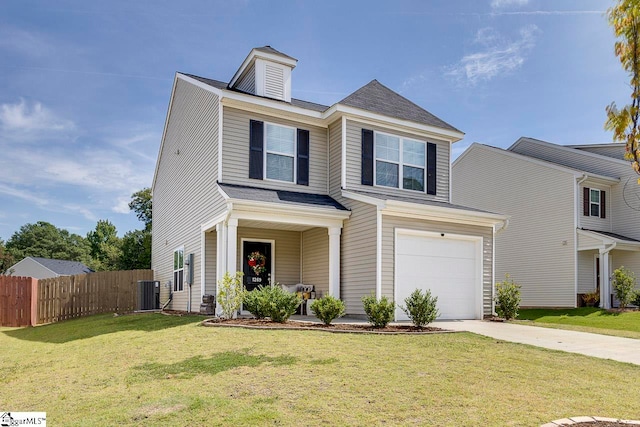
(266, 152)
(175, 284)
(400, 163)
(599, 203)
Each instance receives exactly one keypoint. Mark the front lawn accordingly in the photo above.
(626, 324)
(158, 370)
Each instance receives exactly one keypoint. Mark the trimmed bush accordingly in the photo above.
(421, 308)
(231, 294)
(256, 302)
(636, 299)
(624, 284)
(280, 304)
(328, 308)
(507, 298)
(379, 312)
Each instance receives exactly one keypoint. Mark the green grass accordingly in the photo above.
(159, 370)
(626, 324)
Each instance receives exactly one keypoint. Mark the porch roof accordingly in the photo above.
(242, 192)
(604, 238)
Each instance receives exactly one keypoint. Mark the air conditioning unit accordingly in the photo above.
(148, 295)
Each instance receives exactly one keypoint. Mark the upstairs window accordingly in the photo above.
(400, 162)
(280, 144)
(594, 202)
(178, 270)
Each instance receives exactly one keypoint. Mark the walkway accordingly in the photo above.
(596, 345)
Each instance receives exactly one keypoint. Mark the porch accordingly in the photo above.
(296, 235)
(599, 254)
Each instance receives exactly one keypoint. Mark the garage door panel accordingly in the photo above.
(449, 267)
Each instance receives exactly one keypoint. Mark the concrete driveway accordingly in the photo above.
(602, 346)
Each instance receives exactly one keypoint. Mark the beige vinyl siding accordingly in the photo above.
(585, 242)
(185, 194)
(541, 203)
(627, 259)
(287, 252)
(358, 254)
(586, 271)
(211, 249)
(595, 222)
(335, 157)
(315, 259)
(389, 225)
(235, 147)
(354, 160)
(248, 82)
(625, 213)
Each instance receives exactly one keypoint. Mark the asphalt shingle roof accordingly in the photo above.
(613, 235)
(63, 267)
(269, 49)
(279, 196)
(377, 98)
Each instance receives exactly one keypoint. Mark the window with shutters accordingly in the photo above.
(280, 149)
(399, 162)
(594, 202)
(178, 270)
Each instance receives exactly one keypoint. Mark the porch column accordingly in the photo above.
(334, 261)
(232, 246)
(220, 260)
(605, 284)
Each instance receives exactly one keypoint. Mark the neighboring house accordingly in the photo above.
(352, 198)
(575, 215)
(44, 268)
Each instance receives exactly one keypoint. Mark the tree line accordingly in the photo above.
(101, 249)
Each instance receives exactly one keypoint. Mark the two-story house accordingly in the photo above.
(351, 198)
(575, 215)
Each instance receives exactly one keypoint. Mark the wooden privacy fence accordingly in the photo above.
(16, 300)
(67, 297)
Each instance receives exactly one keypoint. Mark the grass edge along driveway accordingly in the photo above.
(585, 319)
(163, 370)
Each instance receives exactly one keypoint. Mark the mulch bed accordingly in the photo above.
(310, 326)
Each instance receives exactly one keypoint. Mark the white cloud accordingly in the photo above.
(122, 205)
(499, 4)
(25, 118)
(498, 56)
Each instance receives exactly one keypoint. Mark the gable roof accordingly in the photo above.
(269, 49)
(63, 267)
(377, 98)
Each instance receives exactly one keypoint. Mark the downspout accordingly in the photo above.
(505, 225)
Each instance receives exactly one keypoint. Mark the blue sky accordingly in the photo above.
(85, 85)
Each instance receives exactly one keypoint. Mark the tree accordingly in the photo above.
(136, 250)
(6, 259)
(43, 239)
(104, 246)
(142, 204)
(624, 17)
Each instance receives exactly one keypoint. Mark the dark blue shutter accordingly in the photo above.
(367, 157)
(603, 204)
(431, 168)
(256, 143)
(303, 157)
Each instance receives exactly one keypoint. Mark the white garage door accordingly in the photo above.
(450, 266)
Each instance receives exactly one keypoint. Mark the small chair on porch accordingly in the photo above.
(305, 292)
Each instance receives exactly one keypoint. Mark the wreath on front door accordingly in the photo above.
(257, 262)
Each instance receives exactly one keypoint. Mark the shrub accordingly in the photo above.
(591, 298)
(231, 294)
(636, 299)
(421, 308)
(507, 298)
(256, 302)
(624, 283)
(279, 304)
(327, 309)
(379, 312)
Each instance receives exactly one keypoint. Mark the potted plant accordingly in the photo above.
(590, 299)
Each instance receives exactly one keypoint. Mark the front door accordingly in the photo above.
(256, 263)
